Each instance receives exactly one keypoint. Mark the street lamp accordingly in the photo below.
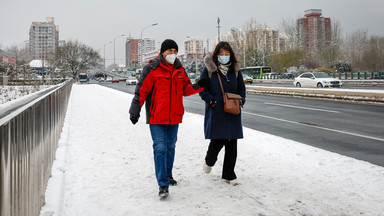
(141, 43)
(195, 54)
(104, 54)
(114, 58)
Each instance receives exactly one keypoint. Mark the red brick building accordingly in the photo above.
(314, 31)
(7, 58)
(131, 53)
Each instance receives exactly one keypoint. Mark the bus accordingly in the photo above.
(256, 72)
(83, 78)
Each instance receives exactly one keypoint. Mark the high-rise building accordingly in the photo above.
(314, 31)
(146, 45)
(43, 38)
(194, 48)
(132, 52)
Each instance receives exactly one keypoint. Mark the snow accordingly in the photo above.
(104, 166)
(14, 93)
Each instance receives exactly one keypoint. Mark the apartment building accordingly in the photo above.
(43, 38)
(314, 31)
(194, 49)
(132, 52)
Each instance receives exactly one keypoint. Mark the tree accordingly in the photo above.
(288, 27)
(282, 61)
(76, 57)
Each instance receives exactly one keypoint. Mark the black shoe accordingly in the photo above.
(163, 191)
(172, 181)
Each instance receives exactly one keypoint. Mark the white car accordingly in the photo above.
(131, 81)
(316, 79)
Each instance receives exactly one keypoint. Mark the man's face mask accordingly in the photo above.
(170, 58)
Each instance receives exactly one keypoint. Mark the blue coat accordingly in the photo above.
(217, 123)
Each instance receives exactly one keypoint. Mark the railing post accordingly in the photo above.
(351, 75)
(365, 75)
(358, 75)
(372, 75)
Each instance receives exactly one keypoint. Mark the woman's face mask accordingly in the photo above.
(223, 59)
(170, 58)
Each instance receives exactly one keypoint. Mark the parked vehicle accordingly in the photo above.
(316, 79)
(115, 80)
(109, 79)
(288, 76)
(379, 76)
(247, 79)
(131, 81)
(101, 79)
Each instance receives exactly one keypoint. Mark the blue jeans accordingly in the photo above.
(164, 139)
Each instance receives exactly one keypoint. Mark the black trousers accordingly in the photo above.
(230, 156)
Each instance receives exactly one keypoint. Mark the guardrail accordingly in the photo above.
(28, 141)
(340, 75)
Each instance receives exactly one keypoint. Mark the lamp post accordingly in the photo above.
(114, 55)
(141, 43)
(195, 54)
(104, 54)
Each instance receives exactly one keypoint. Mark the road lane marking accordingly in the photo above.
(315, 126)
(299, 107)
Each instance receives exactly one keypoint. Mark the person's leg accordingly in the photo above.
(158, 133)
(213, 151)
(171, 144)
(230, 160)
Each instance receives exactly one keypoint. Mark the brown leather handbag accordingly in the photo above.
(232, 102)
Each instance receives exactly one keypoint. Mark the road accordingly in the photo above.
(354, 130)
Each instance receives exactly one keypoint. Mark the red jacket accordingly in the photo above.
(162, 87)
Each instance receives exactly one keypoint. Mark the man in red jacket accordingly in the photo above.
(162, 85)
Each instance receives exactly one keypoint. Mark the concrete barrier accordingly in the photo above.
(358, 96)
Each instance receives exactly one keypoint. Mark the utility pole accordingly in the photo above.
(218, 28)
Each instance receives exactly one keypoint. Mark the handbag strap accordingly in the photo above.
(221, 85)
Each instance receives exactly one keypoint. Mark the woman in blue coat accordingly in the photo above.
(223, 129)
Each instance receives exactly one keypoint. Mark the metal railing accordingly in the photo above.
(28, 141)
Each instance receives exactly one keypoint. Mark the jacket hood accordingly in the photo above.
(212, 67)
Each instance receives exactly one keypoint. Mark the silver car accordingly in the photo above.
(131, 81)
(316, 79)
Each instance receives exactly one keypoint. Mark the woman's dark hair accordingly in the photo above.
(226, 46)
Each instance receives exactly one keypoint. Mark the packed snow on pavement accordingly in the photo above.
(104, 166)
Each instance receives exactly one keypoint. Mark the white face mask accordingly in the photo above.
(171, 58)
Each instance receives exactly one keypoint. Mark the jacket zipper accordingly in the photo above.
(170, 101)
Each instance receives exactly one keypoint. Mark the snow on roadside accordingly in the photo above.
(104, 166)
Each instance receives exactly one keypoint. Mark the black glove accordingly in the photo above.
(203, 82)
(134, 119)
(212, 103)
(200, 83)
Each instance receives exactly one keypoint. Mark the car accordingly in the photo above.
(288, 76)
(247, 79)
(109, 79)
(115, 80)
(131, 81)
(101, 79)
(379, 76)
(316, 79)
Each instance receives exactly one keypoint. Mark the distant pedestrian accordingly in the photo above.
(162, 85)
(223, 129)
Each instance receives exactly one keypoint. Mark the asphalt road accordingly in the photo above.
(354, 130)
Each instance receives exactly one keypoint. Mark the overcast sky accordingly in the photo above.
(96, 22)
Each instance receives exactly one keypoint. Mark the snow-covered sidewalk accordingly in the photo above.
(104, 166)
